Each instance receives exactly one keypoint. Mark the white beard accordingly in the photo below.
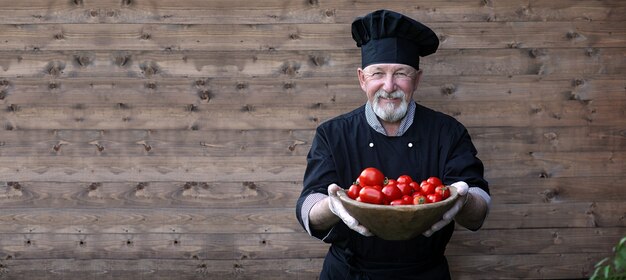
(389, 112)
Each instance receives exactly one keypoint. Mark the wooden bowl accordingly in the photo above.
(397, 222)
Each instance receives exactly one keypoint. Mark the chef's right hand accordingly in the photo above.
(337, 208)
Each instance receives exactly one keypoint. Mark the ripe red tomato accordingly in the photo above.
(427, 188)
(392, 193)
(415, 186)
(419, 199)
(353, 191)
(391, 182)
(370, 177)
(443, 191)
(404, 179)
(435, 181)
(433, 197)
(371, 195)
(399, 202)
(378, 187)
(408, 199)
(405, 188)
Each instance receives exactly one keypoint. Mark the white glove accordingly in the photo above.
(462, 188)
(337, 208)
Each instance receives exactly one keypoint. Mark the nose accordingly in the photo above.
(389, 84)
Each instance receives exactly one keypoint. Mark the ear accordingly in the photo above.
(361, 76)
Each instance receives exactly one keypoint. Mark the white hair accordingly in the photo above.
(389, 112)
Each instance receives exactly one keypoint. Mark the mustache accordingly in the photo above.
(383, 94)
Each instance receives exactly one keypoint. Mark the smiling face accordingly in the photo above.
(389, 89)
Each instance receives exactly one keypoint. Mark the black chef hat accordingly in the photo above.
(389, 37)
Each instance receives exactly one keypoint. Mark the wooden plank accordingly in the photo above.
(524, 266)
(220, 193)
(287, 245)
(282, 37)
(224, 143)
(272, 115)
(295, 64)
(534, 241)
(66, 219)
(185, 91)
(263, 12)
(554, 191)
(291, 168)
(161, 246)
(553, 215)
(555, 164)
(161, 269)
(157, 219)
(538, 266)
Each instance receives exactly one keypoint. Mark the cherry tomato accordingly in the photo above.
(405, 179)
(353, 191)
(378, 187)
(392, 193)
(391, 182)
(427, 188)
(415, 186)
(405, 188)
(433, 197)
(399, 202)
(408, 199)
(443, 191)
(370, 177)
(371, 195)
(435, 181)
(419, 199)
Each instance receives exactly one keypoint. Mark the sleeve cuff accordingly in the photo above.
(308, 203)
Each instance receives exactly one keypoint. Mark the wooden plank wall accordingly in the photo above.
(167, 139)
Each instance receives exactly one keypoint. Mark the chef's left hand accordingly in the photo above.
(462, 188)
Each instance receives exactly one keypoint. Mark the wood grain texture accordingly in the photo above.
(284, 11)
(168, 139)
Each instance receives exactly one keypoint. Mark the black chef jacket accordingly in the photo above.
(434, 145)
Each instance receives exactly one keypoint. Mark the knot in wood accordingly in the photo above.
(290, 68)
(319, 60)
(247, 108)
(151, 86)
(55, 68)
(205, 95)
(94, 186)
(13, 108)
(572, 35)
(122, 60)
(14, 185)
(141, 186)
(536, 53)
(448, 89)
(249, 185)
(241, 86)
(578, 82)
(149, 68)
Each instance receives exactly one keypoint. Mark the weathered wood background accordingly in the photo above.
(167, 139)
